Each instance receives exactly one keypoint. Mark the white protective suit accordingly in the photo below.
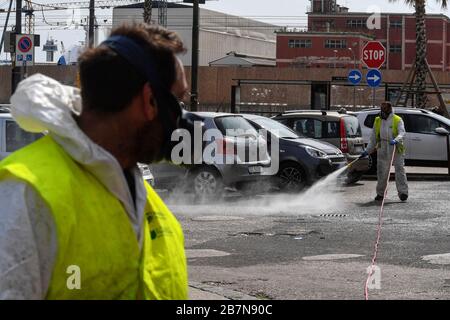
(384, 156)
(28, 240)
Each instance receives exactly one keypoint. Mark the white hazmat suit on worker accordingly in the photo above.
(389, 131)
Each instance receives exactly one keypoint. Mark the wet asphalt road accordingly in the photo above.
(261, 246)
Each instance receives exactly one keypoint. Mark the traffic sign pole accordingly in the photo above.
(354, 77)
(373, 97)
(16, 72)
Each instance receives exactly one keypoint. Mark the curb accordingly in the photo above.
(209, 292)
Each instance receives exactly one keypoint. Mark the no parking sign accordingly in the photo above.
(24, 50)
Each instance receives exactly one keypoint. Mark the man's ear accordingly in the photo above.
(149, 106)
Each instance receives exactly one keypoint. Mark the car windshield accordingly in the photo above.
(276, 128)
(235, 126)
(352, 127)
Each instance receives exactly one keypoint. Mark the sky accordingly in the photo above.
(280, 12)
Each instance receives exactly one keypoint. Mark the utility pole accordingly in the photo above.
(16, 70)
(91, 23)
(194, 64)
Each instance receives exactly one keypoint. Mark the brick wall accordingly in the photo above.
(215, 85)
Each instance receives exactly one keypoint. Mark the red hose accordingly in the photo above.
(380, 223)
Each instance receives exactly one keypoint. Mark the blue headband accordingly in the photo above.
(135, 54)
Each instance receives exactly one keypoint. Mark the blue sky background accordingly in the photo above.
(281, 12)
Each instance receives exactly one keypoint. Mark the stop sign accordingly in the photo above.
(374, 54)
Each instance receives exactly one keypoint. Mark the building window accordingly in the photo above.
(335, 44)
(395, 24)
(321, 25)
(359, 23)
(300, 43)
(395, 48)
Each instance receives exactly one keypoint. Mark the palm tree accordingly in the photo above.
(421, 47)
(148, 11)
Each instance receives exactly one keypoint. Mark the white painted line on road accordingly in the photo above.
(443, 258)
(216, 218)
(205, 253)
(324, 257)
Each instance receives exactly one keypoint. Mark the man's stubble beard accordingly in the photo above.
(149, 144)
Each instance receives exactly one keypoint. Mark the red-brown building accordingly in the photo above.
(336, 36)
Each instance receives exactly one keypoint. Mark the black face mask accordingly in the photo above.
(173, 116)
(385, 115)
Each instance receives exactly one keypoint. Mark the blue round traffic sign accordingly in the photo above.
(354, 77)
(24, 45)
(373, 78)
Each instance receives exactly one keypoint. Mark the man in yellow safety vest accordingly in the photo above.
(77, 219)
(388, 131)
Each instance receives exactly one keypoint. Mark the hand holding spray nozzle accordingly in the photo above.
(363, 154)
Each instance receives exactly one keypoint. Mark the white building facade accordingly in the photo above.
(219, 33)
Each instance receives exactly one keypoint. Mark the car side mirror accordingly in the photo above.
(442, 131)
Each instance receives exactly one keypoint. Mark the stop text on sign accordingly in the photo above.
(373, 55)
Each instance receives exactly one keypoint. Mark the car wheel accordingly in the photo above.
(207, 183)
(292, 177)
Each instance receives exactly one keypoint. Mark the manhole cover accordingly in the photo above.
(332, 257)
(217, 218)
(205, 253)
(438, 258)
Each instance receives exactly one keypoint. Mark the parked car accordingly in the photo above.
(425, 141)
(302, 161)
(12, 137)
(5, 108)
(338, 128)
(146, 173)
(210, 179)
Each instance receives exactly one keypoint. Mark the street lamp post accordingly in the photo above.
(91, 23)
(354, 86)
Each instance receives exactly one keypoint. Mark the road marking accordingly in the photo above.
(216, 218)
(205, 253)
(332, 257)
(443, 258)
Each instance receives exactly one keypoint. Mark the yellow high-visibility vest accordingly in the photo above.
(395, 121)
(95, 235)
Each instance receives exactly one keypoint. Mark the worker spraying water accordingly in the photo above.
(388, 131)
